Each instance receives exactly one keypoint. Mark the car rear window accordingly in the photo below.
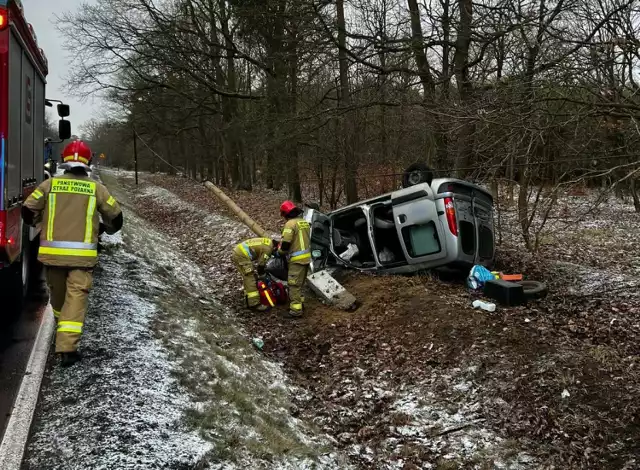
(421, 240)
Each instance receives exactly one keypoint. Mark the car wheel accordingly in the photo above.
(534, 289)
(416, 174)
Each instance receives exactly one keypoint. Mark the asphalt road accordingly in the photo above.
(18, 330)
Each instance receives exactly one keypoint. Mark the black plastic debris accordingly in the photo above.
(505, 293)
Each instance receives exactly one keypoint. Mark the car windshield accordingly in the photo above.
(421, 240)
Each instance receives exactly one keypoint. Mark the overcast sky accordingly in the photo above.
(41, 14)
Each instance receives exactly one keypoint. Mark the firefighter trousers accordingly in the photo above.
(69, 289)
(245, 268)
(296, 277)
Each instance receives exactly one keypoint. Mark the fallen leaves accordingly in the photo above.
(418, 337)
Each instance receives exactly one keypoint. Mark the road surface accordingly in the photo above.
(18, 330)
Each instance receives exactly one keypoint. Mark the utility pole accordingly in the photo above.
(135, 154)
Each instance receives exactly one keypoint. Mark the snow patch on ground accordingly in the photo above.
(592, 241)
(585, 280)
(455, 433)
(120, 407)
(244, 400)
(439, 420)
(232, 228)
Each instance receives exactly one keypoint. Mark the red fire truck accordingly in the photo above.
(23, 71)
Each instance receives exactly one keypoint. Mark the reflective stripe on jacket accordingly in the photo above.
(71, 206)
(297, 232)
(255, 249)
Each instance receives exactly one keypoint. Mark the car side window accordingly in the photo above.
(421, 240)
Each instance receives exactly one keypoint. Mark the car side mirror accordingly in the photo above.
(63, 110)
(64, 129)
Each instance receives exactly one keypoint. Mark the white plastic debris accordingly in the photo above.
(565, 393)
(352, 250)
(488, 306)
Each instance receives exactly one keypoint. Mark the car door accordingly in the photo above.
(483, 214)
(320, 237)
(420, 232)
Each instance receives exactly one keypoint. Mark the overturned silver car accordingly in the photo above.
(444, 223)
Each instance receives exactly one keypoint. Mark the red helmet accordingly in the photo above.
(286, 207)
(77, 153)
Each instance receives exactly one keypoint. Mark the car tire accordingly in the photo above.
(534, 289)
(417, 173)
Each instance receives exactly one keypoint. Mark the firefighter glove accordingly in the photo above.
(260, 270)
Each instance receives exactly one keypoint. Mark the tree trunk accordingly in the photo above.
(350, 160)
(293, 178)
(523, 209)
(427, 82)
(382, 84)
(230, 105)
(446, 48)
(634, 193)
(461, 70)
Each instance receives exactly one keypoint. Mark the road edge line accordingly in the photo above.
(16, 434)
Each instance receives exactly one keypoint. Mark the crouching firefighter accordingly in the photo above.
(70, 207)
(254, 250)
(295, 244)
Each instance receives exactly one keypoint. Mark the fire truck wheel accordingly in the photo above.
(16, 291)
(24, 266)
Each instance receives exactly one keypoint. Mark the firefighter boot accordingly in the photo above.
(252, 300)
(67, 359)
(293, 314)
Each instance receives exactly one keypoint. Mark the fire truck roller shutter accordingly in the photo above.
(14, 145)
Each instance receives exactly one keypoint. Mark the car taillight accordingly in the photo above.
(450, 212)
(3, 228)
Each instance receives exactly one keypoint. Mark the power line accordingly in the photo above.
(485, 167)
(159, 157)
(497, 166)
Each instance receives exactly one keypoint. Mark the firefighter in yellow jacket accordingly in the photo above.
(296, 239)
(254, 250)
(70, 207)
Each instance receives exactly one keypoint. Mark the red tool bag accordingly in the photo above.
(272, 293)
